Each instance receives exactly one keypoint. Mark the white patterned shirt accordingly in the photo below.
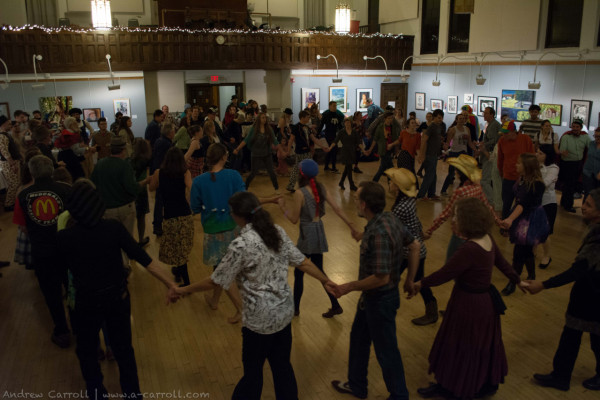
(261, 274)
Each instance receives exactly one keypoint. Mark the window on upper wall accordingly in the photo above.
(430, 26)
(564, 23)
(458, 34)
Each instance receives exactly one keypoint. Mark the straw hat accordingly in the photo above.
(467, 165)
(404, 179)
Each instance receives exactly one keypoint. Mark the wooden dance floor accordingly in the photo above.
(190, 349)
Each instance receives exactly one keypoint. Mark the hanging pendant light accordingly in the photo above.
(101, 15)
(342, 18)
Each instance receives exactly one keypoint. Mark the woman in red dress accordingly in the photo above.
(467, 356)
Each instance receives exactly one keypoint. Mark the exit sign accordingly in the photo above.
(214, 78)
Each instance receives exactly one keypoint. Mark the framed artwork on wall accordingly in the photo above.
(551, 112)
(483, 102)
(452, 104)
(122, 105)
(419, 101)
(5, 110)
(92, 114)
(468, 98)
(581, 109)
(361, 99)
(437, 103)
(516, 103)
(309, 97)
(339, 94)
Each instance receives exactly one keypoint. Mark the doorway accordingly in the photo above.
(206, 95)
(396, 93)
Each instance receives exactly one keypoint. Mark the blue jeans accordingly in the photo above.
(430, 178)
(375, 321)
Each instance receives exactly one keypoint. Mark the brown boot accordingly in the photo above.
(431, 315)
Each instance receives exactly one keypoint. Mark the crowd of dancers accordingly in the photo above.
(200, 172)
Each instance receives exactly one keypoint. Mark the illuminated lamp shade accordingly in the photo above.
(101, 18)
(342, 18)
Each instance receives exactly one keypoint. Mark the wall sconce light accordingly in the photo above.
(101, 18)
(112, 76)
(36, 85)
(537, 85)
(342, 18)
(402, 75)
(4, 85)
(337, 79)
(386, 79)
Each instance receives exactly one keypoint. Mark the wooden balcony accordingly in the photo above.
(177, 49)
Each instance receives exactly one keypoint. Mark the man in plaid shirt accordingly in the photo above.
(379, 275)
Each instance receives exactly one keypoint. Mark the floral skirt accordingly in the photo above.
(215, 246)
(177, 240)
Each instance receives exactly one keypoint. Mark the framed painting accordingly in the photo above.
(419, 101)
(483, 102)
(452, 104)
(122, 105)
(5, 110)
(437, 104)
(339, 94)
(92, 114)
(468, 98)
(551, 112)
(516, 103)
(581, 109)
(362, 95)
(309, 97)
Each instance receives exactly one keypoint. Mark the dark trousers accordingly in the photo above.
(430, 179)
(265, 162)
(569, 173)
(589, 183)
(566, 354)
(384, 164)
(316, 259)
(375, 322)
(51, 275)
(508, 196)
(523, 255)
(275, 348)
(158, 213)
(331, 156)
(347, 173)
(115, 311)
(451, 171)
(426, 293)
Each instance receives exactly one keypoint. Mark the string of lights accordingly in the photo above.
(124, 29)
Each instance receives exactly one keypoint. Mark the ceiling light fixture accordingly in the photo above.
(114, 86)
(4, 85)
(337, 79)
(36, 85)
(386, 79)
(101, 16)
(537, 85)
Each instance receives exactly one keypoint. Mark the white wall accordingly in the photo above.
(13, 13)
(560, 84)
(254, 86)
(171, 89)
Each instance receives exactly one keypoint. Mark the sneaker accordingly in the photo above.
(344, 387)
(63, 340)
(357, 171)
(332, 312)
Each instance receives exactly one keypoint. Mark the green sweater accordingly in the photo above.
(182, 139)
(575, 145)
(115, 181)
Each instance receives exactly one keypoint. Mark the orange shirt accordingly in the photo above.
(509, 152)
(410, 143)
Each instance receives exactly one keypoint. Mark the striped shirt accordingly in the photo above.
(531, 128)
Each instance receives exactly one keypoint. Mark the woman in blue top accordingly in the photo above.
(260, 140)
(209, 196)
